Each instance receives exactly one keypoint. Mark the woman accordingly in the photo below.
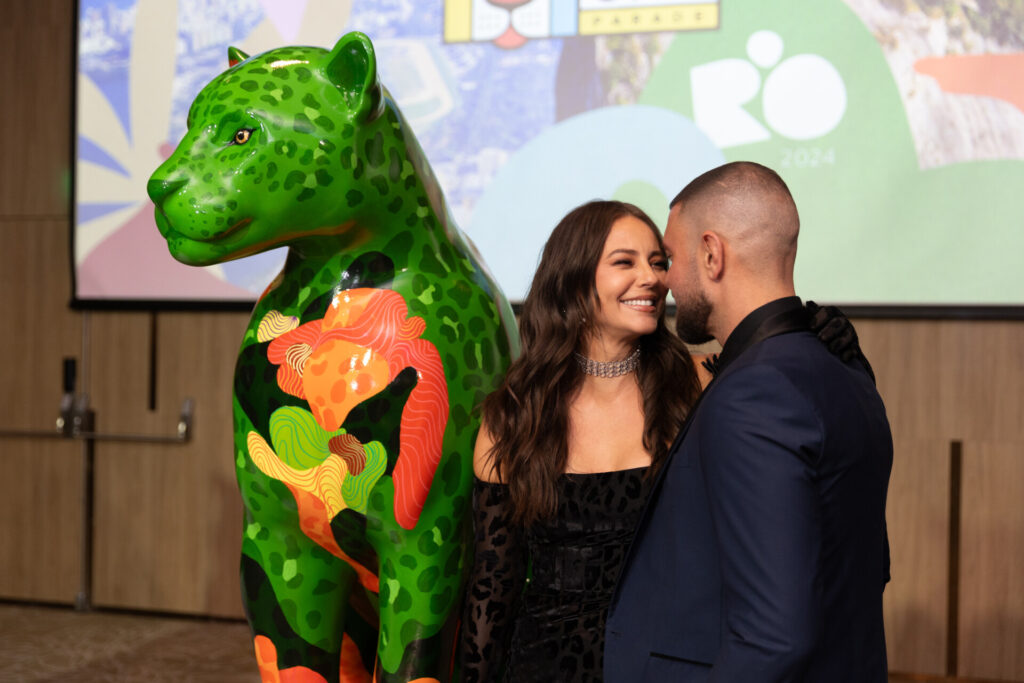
(584, 416)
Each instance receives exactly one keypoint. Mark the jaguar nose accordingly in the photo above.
(159, 189)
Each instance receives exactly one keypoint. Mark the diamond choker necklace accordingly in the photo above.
(610, 368)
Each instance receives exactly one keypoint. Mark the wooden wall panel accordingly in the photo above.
(40, 479)
(943, 382)
(906, 360)
(35, 129)
(39, 330)
(904, 356)
(915, 601)
(992, 561)
(118, 369)
(958, 380)
(168, 517)
(41, 537)
(982, 369)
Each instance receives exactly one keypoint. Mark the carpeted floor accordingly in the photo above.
(59, 645)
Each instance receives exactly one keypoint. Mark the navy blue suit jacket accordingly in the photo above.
(762, 554)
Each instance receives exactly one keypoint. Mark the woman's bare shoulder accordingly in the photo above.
(483, 462)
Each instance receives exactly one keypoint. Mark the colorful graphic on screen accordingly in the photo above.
(899, 128)
(510, 23)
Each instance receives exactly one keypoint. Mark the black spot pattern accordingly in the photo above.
(349, 529)
(378, 418)
(253, 369)
(549, 626)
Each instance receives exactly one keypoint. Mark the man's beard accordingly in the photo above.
(692, 316)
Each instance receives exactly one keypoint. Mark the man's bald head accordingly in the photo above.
(751, 207)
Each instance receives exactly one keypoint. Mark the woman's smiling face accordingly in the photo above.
(630, 284)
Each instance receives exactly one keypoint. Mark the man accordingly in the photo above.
(762, 554)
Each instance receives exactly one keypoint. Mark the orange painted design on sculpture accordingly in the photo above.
(418, 680)
(266, 659)
(351, 452)
(315, 523)
(317, 493)
(339, 375)
(322, 481)
(352, 669)
(362, 343)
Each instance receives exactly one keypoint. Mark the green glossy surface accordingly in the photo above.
(359, 376)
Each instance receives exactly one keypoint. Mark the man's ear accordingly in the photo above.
(712, 255)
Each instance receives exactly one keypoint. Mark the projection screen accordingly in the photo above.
(899, 128)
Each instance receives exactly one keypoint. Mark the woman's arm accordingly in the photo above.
(496, 580)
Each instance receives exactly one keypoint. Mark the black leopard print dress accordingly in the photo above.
(537, 599)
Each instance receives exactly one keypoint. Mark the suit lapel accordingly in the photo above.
(676, 445)
(788, 317)
(655, 487)
(783, 322)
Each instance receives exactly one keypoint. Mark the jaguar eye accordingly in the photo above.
(242, 136)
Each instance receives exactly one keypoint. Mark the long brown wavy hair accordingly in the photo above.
(528, 415)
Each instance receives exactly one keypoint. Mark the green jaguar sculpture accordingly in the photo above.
(359, 378)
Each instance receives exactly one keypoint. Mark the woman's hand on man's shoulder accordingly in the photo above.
(703, 375)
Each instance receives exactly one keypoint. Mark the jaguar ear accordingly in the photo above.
(351, 67)
(235, 56)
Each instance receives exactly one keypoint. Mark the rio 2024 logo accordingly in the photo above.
(803, 97)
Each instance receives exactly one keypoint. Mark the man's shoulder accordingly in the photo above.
(801, 357)
(762, 380)
(797, 368)
(788, 366)
(781, 355)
